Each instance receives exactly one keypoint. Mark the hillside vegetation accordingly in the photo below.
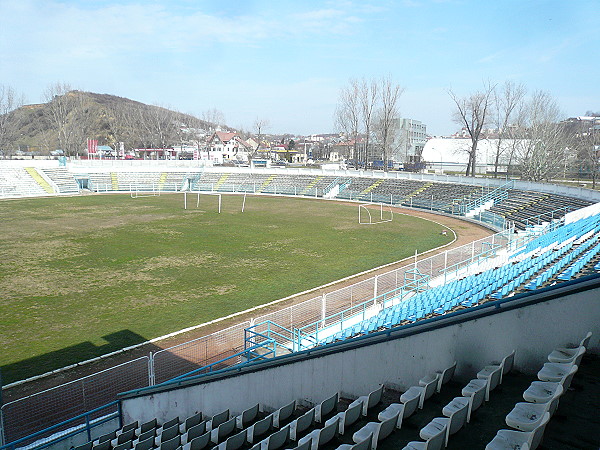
(70, 119)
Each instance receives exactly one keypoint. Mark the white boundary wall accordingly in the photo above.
(532, 330)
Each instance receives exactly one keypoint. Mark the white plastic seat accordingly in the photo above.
(423, 392)
(526, 416)
(379, 431)
(472, 403)
(402, 410)
(543, 391)
(363, 445)
(321, 436)
(347, 418)
(511, 439)
(567, 355)
(325, 407)
(491, 381)
(554, 371)
(455, 421)
(368, 401)
(435, 442)
(506, 365)
(441, 377)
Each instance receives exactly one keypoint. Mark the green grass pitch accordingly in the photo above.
(82, 276)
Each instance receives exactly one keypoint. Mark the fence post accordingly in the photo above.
(151, 373)
(375, 286)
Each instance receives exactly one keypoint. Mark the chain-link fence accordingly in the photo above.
(36, 412)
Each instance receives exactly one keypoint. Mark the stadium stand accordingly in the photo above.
(18, 182)
(552, 270)
(62, 179)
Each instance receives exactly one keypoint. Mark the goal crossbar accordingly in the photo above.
(198, 193)
(384, 215)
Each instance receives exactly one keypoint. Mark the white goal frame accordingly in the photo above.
(382, 218)
(136, 193)
(185, 201)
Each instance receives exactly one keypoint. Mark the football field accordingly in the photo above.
(83, 276)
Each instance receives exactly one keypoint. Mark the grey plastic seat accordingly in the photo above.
(147, 426)
(457, 418)
(127, 436)
(301, 424)
(146, 444)
(326, 407)
(171, 444)
(194, 432)
(168, 424)
(124, 446)
(234, 442)
(223, 431)
(305, 446)
(217, 420)
(198, 443)
(401, 410)
(247, 417)
(348, 417)
(259, 429)
(321, 436)
(102, 446)
(567, 355)
(363, 445)
(167, 434)
(191, 422)
(283, 413)
(370, 400)
(277, 439)
(526, 416)
(86, 446)
(511, 439)
(435, 442)
(379, 431)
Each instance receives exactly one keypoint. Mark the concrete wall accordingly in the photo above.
(532, 329)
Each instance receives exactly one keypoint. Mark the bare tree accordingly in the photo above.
(259, 127)
(507, 103)
(348, 113)
(387, 116)
(369, 92)
(546, 148)
(213, 118)
(70, 115)
(472, 112)
(9, 101)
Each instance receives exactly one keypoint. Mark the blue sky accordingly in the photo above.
(286, 61)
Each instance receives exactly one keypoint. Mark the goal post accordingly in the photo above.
(374, 213)
(197, 193)
(136, 192)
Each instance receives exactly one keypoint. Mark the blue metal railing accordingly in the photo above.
(273, 332)
(500, 193)
(80, 423)
(247, 355)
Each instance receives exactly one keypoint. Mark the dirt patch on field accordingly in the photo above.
(465, 231)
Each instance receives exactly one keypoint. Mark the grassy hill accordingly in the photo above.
(72, 118)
